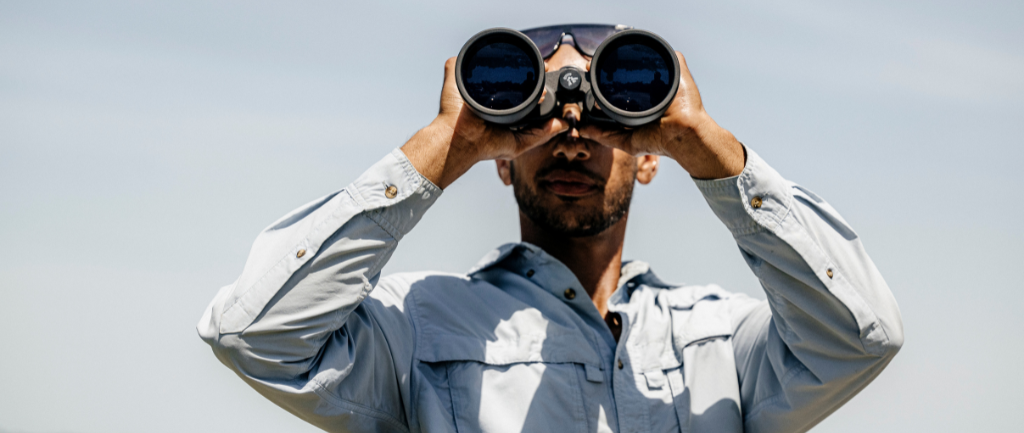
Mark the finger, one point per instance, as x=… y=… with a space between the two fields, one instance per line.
x=686 y=82
x=534 y=137
x=616 y=138
x=451 y=100
x=449 y=70
x=572 y=110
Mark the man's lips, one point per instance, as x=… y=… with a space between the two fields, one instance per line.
x=569 y=183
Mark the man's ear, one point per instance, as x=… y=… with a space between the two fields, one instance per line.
x=647 y=167
x=504 y=170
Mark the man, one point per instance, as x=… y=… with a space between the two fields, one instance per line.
x=556 y=333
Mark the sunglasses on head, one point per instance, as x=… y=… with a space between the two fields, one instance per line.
x=585 y=37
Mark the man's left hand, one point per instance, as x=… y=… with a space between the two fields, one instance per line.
x=685 y=133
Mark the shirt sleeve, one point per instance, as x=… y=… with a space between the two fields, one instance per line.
x=830 y=324
x=299 y=326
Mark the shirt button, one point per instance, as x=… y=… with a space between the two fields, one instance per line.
x=755 y=202
x=570 y=294
x=620 y=364
x=391 y=192
x=301 y=253
x=829 y=273
x=529 y=273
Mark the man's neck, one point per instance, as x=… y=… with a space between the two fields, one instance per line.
x=595 y=260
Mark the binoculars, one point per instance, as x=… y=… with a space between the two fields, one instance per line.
x=633 y=77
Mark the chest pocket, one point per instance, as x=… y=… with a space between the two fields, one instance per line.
x=706 y=387
x=499 y=365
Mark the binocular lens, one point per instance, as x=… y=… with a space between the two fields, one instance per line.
x=500 y=72
x=635 y=74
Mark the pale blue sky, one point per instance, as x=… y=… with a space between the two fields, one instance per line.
x=143 y=147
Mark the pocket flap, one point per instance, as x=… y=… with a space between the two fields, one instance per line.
x=698 y=314
x=472 y=320
x=535 y=348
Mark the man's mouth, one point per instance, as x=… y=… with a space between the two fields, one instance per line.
x=568 y=183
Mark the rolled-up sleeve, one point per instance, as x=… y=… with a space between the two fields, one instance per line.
x=830 y=324
x=294 y=325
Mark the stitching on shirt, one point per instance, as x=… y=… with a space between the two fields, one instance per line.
x=322 y=391
x=377 y=216
x=709 y=186
x=752 y=227
x=411 y=171
x=578 y=395
x=452 y=395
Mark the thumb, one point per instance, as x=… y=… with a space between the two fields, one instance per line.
x=451 y=100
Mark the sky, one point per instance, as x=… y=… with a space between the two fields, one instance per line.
x=143 y=146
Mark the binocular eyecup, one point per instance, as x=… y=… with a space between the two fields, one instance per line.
x=633 y=77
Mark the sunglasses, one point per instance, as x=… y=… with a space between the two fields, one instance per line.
x=585 y=37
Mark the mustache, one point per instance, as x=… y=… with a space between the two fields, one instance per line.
x=569 y=166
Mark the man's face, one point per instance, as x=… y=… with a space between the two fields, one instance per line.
x=571 y=185
x=581 y=196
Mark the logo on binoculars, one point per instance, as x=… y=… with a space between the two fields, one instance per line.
x=570 y=79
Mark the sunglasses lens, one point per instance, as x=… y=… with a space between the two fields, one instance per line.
x=635 y=73
x=545 y=38
x=588 y=38
x=500 y=72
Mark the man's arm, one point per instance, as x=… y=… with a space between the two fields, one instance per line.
x=301 y=326
x=830 y=325
x=298 y=326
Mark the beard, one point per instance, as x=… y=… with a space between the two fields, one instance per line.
x=568 y=218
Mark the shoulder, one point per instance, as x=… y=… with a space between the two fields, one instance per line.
x=691 y=296
x=400 y=285
x=712 y=309
x=397 y=296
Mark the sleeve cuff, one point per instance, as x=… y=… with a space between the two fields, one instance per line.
x=394 y=194
x=757 y=199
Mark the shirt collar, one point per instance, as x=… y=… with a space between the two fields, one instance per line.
x=633 y=274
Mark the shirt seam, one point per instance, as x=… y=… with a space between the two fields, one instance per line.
x=322 y=391
x=831 y=286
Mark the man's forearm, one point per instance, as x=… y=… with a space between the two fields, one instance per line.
x=432 y=153
x=345 y=238
x=833 y=324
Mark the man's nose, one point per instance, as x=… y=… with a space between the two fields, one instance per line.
x=571 y=149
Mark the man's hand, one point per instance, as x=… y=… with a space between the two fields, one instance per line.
x=685 y=133
x=457 y=138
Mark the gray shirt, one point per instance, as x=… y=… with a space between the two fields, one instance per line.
x=516 y=344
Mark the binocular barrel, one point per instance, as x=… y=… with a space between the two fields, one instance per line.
x=633 y=77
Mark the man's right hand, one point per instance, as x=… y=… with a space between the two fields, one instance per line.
x=447 y=148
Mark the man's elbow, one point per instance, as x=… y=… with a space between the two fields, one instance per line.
x=891 y=325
